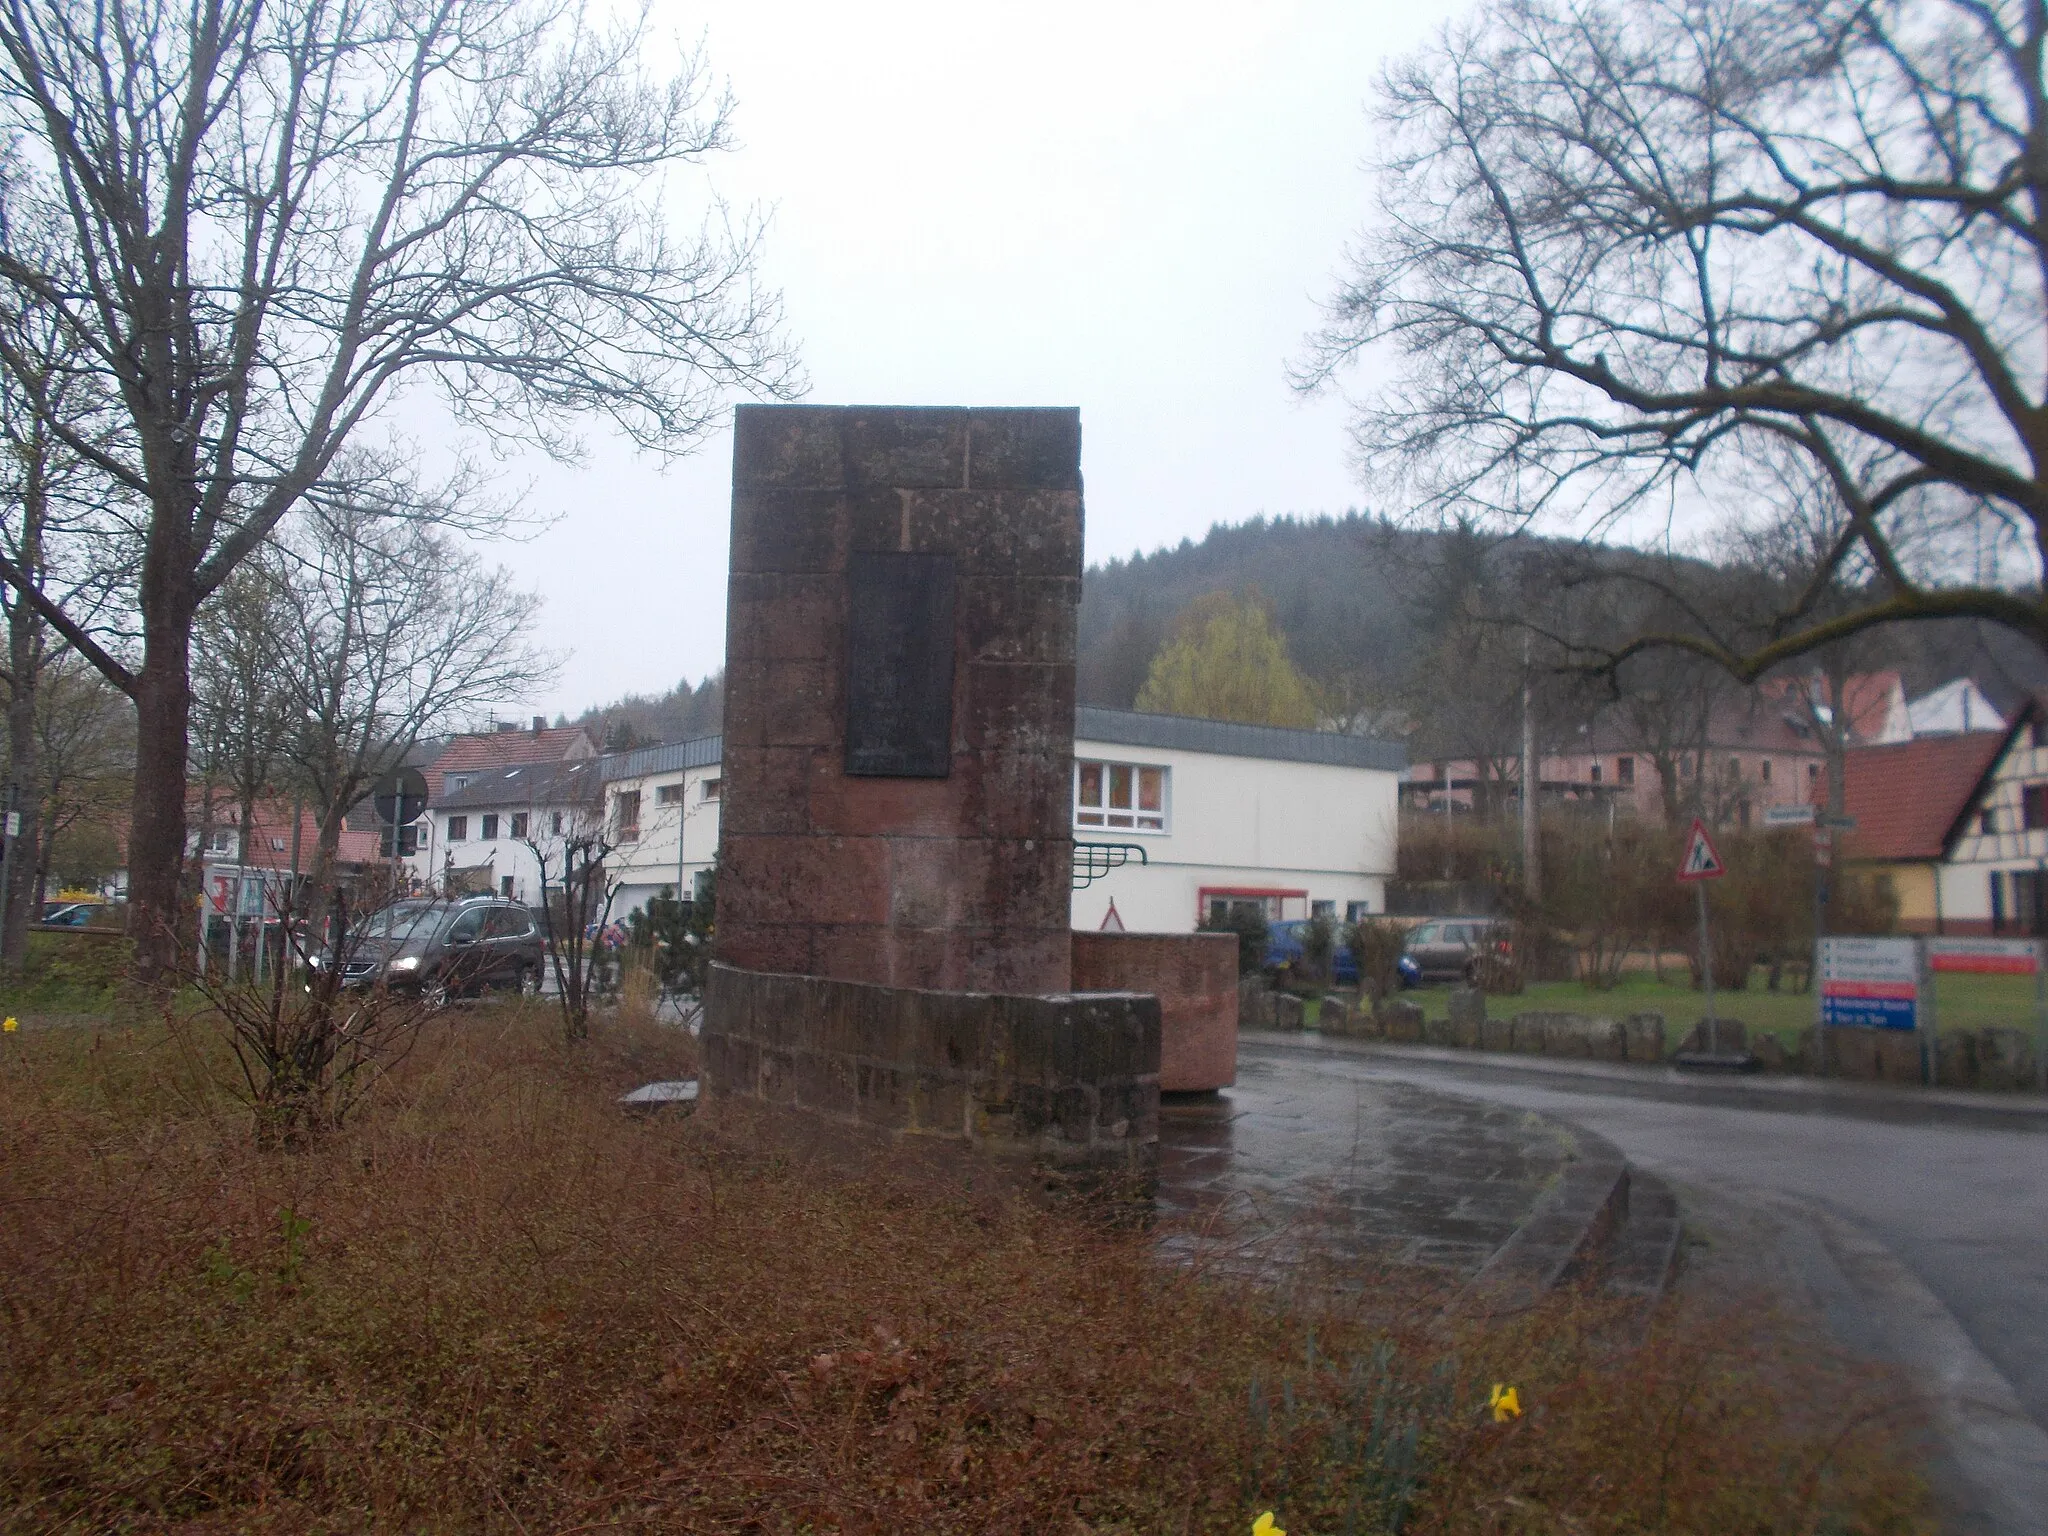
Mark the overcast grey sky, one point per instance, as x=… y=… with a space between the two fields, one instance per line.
x=1131 y=208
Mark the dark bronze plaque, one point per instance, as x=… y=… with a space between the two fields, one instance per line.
x=899 y=666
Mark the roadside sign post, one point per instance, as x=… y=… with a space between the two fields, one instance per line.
x=1874 y=984
x=1995 y=957
x=1702 y=862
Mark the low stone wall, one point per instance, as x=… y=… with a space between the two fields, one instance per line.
x=1068 y=1081
x=1982 y=1058
x=1194 y=976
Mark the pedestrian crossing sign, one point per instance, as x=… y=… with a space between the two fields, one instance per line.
x=1701 y=861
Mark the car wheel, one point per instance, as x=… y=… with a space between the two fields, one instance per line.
x=436 y=995
x=528 y=982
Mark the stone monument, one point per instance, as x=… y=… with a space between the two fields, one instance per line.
x=892 y=936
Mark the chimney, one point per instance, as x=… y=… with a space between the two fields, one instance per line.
x=540 y=723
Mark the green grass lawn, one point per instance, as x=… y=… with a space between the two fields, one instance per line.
x=1961 y=1002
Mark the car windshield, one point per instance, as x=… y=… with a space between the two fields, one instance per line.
x=395 y=922
x=1426 y=934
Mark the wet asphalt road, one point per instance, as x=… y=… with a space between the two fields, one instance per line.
x=1957 y=1193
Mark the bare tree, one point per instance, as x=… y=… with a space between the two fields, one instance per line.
x=275 y=215
x=1624 y=246
x=576 y=894
x=386 y=630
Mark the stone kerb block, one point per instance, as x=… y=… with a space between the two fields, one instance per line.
x=1731 y=1034
x=1333 y=1014
x=1468 y=1007
x=1643 y=1034
x=2005 y=1059
x=1496 y=1034
x=1955 y=1064
x=1401 y=1021
x=1288 y=1011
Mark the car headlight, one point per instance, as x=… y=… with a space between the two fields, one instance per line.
x=406 y=963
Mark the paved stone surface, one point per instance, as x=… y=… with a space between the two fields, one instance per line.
x=1926 y=1242
x=1294 y=1163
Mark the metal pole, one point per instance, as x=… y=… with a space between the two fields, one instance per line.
x=7 y=836
x=2041 y=1015
x=1930 y=1019
x=1699 y=888
x=1532 y=787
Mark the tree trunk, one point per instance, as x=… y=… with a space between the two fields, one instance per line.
x=24 y=773
x=156 y=839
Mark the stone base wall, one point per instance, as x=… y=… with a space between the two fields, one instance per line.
x=1067 y=1081
x=1194 y=976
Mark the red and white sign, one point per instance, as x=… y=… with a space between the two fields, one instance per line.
x=1701 y=861
x=1984 y=957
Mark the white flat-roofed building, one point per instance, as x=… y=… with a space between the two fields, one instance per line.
x=1290 y=822
x=661 y=805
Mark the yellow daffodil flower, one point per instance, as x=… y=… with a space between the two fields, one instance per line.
x=10 y=1024
x=1505 y=1402
x=1264 y=1526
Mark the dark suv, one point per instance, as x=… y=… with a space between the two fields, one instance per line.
x=444 y=949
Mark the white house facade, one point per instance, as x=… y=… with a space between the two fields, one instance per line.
x=479 y=834
x=1178 y=819
x=661 y=809
x=1993 y=877
x=1293 y=823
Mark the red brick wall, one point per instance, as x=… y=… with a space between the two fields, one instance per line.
x=1194 y=976
x=958 y=883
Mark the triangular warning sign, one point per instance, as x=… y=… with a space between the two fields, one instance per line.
x=1701 y=861
x=1112 y=920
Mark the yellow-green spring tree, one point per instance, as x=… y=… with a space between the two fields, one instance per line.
x=1225 y=661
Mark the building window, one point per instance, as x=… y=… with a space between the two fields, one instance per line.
x=668 y=794
x=1987 y=823
x=505 y=886
x=1322 y=909
x=1735 y=768
x=555 y=823
x=458 y=828
x=626 y=814
x=1596 y=771
x=1128 y=795
x=490 y=825
x=1625 y=769
x=1685 y=767
x=713 y=789
x=1812 y=773
x=1354 y=910
x=2034 y=807
x=519 y=823
x=1763 y=770
x=457 y=781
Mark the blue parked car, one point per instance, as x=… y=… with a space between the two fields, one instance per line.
x=1283 y=948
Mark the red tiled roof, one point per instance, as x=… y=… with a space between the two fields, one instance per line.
x=1906 y=797
x=507 y=749
x=269 y=843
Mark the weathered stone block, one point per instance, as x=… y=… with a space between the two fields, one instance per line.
x=1468 y=1006
x=1496 y=1034
x=1728 y=1035
x=1769 y=1051
x=1531 y=1033
x=1288 y=1011
x=2005 y=1059
x=1852 y=1053
x=1466 y=1033
x=1333 y=1014
x=1194 y=976
x=1439 y=1032
x=1899 y=1055
x=1401 y=1021
x=1566 y=1034
x=1955 y=1064
x=1254 y=1003
x=1644 y=1036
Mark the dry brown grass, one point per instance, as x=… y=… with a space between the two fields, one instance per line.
x=493 y=1302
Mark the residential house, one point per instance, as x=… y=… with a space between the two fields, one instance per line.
x=661 y=817
x=466 y=756
x=1954 y=708
x=1957 y=824
x=482 y=832
x=1179 y=819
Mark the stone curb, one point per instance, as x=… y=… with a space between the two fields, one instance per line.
x=1571 y=1223
x=2018 y=1111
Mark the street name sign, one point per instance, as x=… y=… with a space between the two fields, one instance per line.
x=1789 y=816
x=1870 y=983
x=1984 y=957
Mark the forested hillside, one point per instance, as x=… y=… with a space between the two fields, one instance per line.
x=1377 y=616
